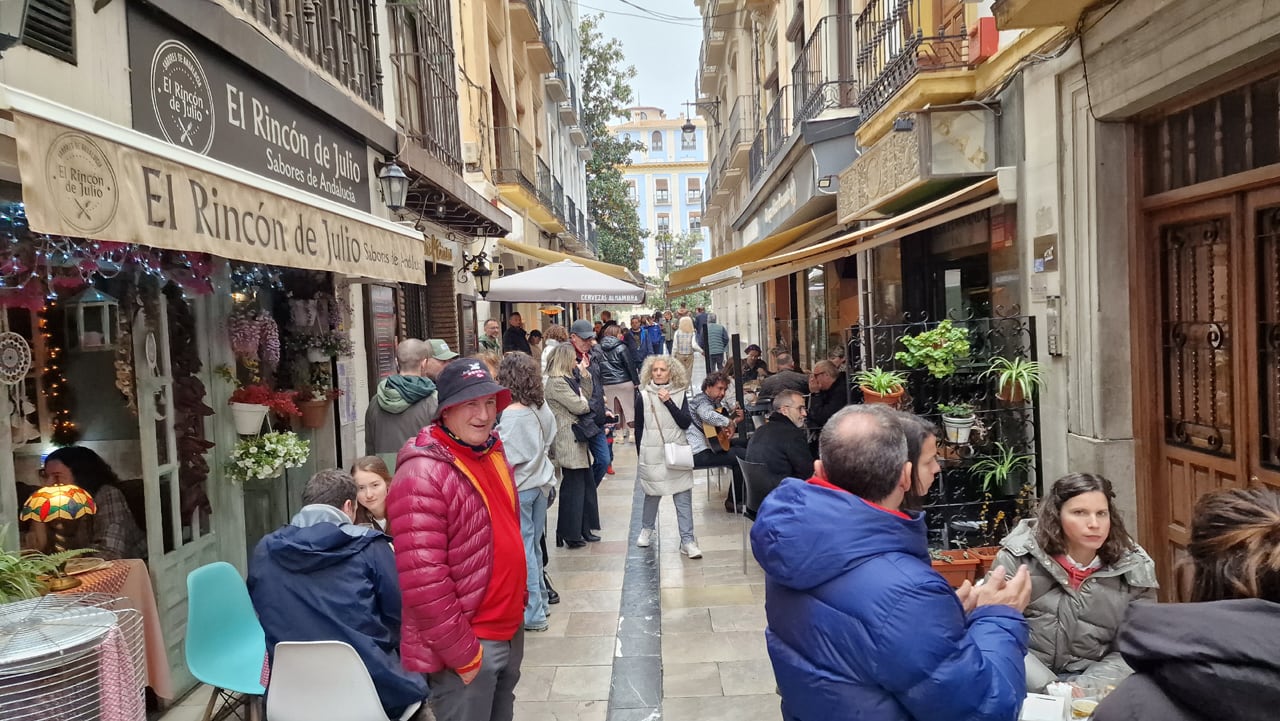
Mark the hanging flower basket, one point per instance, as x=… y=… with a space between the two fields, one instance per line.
x=248 y=417
x=266 y=456
x=316 y=355
x=314 y=413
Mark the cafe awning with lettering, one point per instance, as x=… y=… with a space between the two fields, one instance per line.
x=87 y=177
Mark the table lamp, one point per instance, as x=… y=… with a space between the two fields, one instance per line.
x=59 y=507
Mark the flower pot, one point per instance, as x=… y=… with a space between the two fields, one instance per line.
x=958 y=429
x=888 y=399
x=1011 y=393
x=248 y=417
x=314 y=413
x=986 y=558
x=315 y=355
x=957 y=569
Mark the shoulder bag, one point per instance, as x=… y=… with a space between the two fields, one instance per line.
x=676 y=455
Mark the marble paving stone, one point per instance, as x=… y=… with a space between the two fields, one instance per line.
x=592 y=623
x=535 y=682
x=637 y=683
x=721 y=708
x=561 y=710
x=572 y=562
x=686 y=620
x=757 y=592
x=579 y=651
x=707 y=647
x=706 y=596
x=738 y=618
x=579 y=601
x=744 y=678
x=679 y=575
x=581 y=683
x=617 y=548
x=588 y=580
x=731 y=576
x=690 y=679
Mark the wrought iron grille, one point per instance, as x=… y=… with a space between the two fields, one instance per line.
x=517 y=163
x=757 y=156
x=423 y=58
x=893 y=49
x=1268 y=250
x=339 y=36
x=958 y=509
x=1197 y=332
x=546 y=189
x=824 y=75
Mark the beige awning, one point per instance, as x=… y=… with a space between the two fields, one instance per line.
x=549 y=256
x=695 y=277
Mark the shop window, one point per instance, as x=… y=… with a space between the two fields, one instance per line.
x=51 y=28
x=655 y=141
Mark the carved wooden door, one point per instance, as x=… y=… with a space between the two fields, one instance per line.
x=1262 y=267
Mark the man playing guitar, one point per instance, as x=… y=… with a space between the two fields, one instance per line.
x=715 y=417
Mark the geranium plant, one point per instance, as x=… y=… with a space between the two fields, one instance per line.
x=259 y=394
x=262 y=457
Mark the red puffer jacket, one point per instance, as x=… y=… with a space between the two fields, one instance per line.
x=444 y=555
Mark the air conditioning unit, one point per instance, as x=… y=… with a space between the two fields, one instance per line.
x=471 y=152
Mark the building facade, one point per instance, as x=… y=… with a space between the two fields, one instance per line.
x=666 y=179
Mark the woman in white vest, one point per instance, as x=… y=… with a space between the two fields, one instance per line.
x=661 y=416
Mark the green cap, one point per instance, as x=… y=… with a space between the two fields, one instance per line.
x=440 y=349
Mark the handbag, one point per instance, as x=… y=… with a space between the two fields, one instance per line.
x=585 y=428
x=675 y=455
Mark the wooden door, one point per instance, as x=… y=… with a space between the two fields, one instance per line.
x=1262 y=266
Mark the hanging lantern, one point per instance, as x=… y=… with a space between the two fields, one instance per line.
x=93 y=321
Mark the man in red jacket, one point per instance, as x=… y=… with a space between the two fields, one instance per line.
x=459 y=552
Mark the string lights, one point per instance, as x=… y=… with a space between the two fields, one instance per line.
x=57 y=392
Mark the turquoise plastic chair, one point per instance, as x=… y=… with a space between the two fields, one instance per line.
x=226 y=646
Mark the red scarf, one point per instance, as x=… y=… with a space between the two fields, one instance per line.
x=1075 y=574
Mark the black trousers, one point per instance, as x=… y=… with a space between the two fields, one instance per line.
x=578 y=504
x=726 y=459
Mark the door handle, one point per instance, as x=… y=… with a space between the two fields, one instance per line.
x=1253 y=480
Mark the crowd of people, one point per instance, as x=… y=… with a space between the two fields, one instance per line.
x=429 y=555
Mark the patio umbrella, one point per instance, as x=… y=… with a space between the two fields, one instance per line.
x=563 y=282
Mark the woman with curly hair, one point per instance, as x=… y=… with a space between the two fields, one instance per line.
x=115 y=532
x=1085 y=571
x=662 y=408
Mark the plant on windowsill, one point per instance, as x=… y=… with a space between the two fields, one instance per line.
x=998 y=470
x=936 y=349
x=266 y=456
x=1017 y=379
x=958 y=421
x=881 y=386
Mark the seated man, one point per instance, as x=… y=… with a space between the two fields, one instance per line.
x=714 y=422
x=787 y=377
x=321 y=578
x=781 y=444
x=828 y=393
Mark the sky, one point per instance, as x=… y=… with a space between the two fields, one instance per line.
x=665 y=53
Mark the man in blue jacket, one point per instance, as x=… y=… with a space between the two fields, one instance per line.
x=860 y=625
x=320 y=578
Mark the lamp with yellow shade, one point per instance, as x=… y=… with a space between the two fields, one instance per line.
x=60 y=509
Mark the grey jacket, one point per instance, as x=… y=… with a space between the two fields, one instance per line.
x=567 y=404
x=387 y=432
x=1074 y=630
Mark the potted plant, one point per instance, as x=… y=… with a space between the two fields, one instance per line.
x=997 y=471
x=958 y=420
x=881 y=386
x=957 y=566
x=266 y=456
x=1016 y=378
x=28 y=574
x=315 y=397
x=936 y=350
x=320 y=347
x=250 y=402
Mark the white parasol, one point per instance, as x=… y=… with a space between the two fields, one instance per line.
x=564 y=282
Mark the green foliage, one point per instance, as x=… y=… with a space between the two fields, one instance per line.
x=677 y=250
x=956 y=410
x=606 y=93
x=881 y=381
x=20 y=572
x=996 y=470
x=937 y=349
x=1015 y=373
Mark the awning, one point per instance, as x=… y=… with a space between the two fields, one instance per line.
x=975 y=198
x=564 y=282
x=549 y=256
x=691 y=278
x=87 y=177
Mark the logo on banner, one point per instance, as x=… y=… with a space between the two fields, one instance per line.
x=181 y=96
x=81 y=182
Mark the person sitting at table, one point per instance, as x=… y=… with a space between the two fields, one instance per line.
x=1085 y=571
x=753 y=366
x=115 y=532
x=828 y=393
x=322 y=578
x=786 y=377
x=373 y=481
x=781 y=444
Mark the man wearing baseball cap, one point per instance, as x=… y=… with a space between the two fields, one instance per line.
x=406 y=402
x=459 y=552
x=440 y=355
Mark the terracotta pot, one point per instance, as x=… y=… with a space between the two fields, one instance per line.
x=888 y=399
x=959 y=569
x=1011 y=393
x=248 y=417
x=986 y=558
x=314 y=413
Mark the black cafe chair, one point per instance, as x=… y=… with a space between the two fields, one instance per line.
x=758 y=484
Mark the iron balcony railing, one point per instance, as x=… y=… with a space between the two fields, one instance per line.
x=693 y=195
x=739 y=127
x=544 y=26
x=545 y=191
x=593 y=241
x=757 y=156
x=778 y=127
x=558 y=197
x=825 y=74
x=423 y=60
x=339 y=36
x=893 y=49
x=517 y=164
x=571 y=219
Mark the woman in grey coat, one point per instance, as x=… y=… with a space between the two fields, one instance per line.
x=1085 y=571
x=565 y=396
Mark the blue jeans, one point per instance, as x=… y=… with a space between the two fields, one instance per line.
x=601 y=457
x=533 y=520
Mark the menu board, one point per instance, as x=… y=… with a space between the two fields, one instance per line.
x=382 y=330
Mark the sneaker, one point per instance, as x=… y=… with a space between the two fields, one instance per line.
x=646 y=538
x=610 y=471
x=691 y=549
x=537 y=628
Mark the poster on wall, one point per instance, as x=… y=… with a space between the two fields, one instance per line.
x=347 y=401
x=382 y=331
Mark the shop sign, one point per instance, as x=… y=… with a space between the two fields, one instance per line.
x=81 y=184
x=196 y=97
x=440 y=251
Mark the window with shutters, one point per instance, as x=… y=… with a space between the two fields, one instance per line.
x=51 y=28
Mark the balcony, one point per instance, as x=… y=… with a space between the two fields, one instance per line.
x=556 y=84
x=558 y=201
x=708 y=71
x=585 y=153
x=541 y=57
x=739 y=129
x=578 y=136
x=569 y=109
x=714 y=40
x=340 y=37
x=778 y=127
x=524 y=19
x=523 y=179
x=824 y=75
x=893 y=54
x=693 y=196
x=1019 y=14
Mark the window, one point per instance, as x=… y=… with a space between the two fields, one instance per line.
x=655 y=141
x=631 y=191
x=694 y=186
x=689 y=141
x=51 y=28
x=662 y=194
x=695 y=222
x=664 y=223
x=427 y=102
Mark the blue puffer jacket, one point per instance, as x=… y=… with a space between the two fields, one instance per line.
x=320 y=578
x=861 y=627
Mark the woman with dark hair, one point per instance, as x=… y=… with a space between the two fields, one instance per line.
x=1216 y=657
x=1085 y=571
x=527 y=429
x=922 y=449
x=373 y=482
x=115 y=532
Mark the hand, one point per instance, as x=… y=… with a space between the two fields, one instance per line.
x=737 y=415
x=469 y=676
x=1002 y=591
x=663 y=395
x=551 y=497
x=584 y=362
x=967 y=597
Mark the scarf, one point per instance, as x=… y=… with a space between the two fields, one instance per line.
x=1076 y=573
x=396 y=394
x=456 y=444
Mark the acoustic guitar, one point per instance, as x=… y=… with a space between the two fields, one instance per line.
x=724 y=436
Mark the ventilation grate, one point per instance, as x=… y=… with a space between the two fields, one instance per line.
x=50 y=28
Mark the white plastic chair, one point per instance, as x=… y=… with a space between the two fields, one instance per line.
x=323 y=680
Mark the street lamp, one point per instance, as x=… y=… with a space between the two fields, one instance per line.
x=13 y=22
x=394 y=185
x=712 y=108
x=477 y=266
